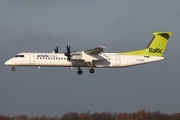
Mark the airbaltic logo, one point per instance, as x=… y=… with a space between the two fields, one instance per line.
x=155 y=50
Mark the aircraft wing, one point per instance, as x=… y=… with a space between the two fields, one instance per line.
x=95 y=51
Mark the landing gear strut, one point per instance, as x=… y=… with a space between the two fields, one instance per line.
x=79 y=72
x=13 y=68
x=91 y=70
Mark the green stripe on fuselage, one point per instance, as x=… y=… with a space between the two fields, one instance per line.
x=136 y=52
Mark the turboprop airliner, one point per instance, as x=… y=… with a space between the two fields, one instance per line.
x=94 y=58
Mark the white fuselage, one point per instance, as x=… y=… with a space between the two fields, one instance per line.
x=106 y=60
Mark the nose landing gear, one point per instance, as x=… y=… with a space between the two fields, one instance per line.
x=13 y=68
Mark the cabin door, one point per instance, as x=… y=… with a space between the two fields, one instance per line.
x=31 y=59
x=118 y=60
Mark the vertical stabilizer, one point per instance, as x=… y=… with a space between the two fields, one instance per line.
x=158 y=44
x=156 y=47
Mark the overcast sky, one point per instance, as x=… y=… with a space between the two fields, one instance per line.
x=120 y=25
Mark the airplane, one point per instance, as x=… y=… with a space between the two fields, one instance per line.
x=94 y=58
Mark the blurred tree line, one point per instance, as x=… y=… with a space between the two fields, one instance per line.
x=139 y=115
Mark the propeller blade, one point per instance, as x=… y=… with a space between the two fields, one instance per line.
x=68 y=53
x=56 y=50
x=68 y=49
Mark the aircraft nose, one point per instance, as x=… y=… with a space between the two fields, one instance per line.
x=8 y=62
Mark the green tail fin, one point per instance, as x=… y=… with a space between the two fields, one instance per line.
x=158 y=44
x=156 y=47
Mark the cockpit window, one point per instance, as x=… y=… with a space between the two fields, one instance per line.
x=19 y=56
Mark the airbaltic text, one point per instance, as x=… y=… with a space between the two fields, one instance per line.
x=155 y=50
x=46 y=56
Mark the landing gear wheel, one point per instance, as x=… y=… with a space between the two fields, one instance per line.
x=13 y=69
x=79 y=72
x=91 y=70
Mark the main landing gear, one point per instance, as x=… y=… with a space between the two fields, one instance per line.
x=91 y=70
x=79 y=72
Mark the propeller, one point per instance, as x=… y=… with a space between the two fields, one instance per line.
x=56 y=50
x=68 y=53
